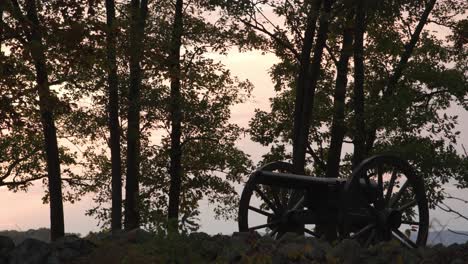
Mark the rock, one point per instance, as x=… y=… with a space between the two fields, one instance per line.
x=221 y=239
x=266 y=244
x=210 y=250
x=316 y=250
x=6 y=246
x=208 y=247
x=248 y=237
x=199 y=236
x=291 y=252
x=290 y=237
x=393 y=252
x=458 y=261
x=137 y=235
x=30 y=251
x=70 y=247
x=347 y=251
x=237 y=246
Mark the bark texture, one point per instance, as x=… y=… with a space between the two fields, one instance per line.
x=359 y=123
x=299 y=134
x=175 y=169
x=338 y=127
x=113 y=112
x=139 y=12
x=46 y=106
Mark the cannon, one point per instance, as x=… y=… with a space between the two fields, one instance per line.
x=382 y=199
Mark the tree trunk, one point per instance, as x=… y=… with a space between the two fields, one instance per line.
x=175 y=169
x=138 y=19
x=302 y=121
x=399 y=68
x=299 y=141
x=359 y=123
x=46 y=106
x=338 y=127
x=398 y=72
x=1 y=27
x=113 y=111
x=303 y=116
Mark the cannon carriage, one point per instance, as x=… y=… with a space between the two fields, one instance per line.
x=383 y=199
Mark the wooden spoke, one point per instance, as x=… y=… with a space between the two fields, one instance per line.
x=390 y=187
x=386 y=189
x=398 y=195
x=271 y=224
x=299 y=203
x=310 y=232
x=284 y=197
x=402 y=237
x=362 y=231
x=407 y=222
x=380 y=179
x=295 y=200
x=273 y=232
x=266 y=200
x=276 y=199
x=260 y=211
x=369 y=207
x=370 y=238
x=407 y=205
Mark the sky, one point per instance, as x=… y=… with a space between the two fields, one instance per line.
x=23 y=211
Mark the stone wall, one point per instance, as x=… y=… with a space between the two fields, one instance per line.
x=138 y=246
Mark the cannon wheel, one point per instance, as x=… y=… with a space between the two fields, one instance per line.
x=398 y=208
x=264 y=208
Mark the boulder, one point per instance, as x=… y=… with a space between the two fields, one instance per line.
x=6 y=243
x=30 y=251
x=347 y=251
x=137 y=235
x=70 y=247
x=199 y=236
x=6 y=246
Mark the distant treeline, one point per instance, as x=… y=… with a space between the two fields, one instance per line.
x=42 y=234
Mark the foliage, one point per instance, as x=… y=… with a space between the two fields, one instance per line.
x=412 y=122
x=211 y=160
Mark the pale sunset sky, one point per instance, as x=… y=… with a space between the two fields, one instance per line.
x=23 y=211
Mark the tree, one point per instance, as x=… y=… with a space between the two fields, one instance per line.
x=114 y=126
x=359 y=78
x=410 y=123
x=61 y=53
x=338 y=126
x=303 y=92
x=301 y=126
x=175 y=169
x=34 y=35
x=210 y=162
x=139 y=11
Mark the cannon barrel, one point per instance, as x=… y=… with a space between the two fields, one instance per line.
x=292 y=180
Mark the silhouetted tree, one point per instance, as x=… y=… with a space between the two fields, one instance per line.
x=138 y=13
x=175 y=115
x=33 y=31
x=113 y=109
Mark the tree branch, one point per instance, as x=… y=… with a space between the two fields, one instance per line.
x=22 y=182
x=197 y=138
x=409 y=47
x=332 y=55
x=262 y=29
x=458 y=233
x=316 y=158
x=15 y=163
x=448 y=209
